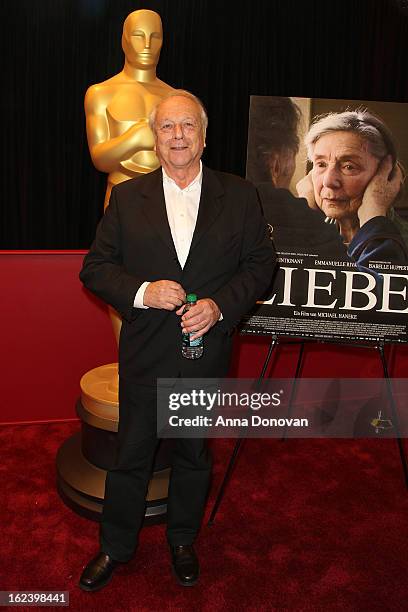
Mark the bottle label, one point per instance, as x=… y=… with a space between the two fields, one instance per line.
x=196 y=345
x=193 y=343
x=196 y=342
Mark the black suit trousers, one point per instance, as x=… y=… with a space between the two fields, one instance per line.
x=126 y=484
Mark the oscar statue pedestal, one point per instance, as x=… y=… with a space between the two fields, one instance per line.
x=83 y=459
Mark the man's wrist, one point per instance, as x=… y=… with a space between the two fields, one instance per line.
x=220 y=317
x=138 y=301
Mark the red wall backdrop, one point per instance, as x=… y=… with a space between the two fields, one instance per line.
x=53 y=331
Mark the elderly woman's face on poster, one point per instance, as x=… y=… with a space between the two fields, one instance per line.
x=342 y=168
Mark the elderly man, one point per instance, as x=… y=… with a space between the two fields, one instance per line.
x=183 y=228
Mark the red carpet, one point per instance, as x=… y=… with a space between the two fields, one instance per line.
x=305 y=525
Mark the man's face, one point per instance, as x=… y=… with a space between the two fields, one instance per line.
x=342 y=169
x=179 y=134
x=142 y=38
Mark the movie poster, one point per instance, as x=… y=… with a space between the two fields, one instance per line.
x=330 y=177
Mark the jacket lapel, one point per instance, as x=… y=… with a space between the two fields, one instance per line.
x=154 y=207
x=210 y=206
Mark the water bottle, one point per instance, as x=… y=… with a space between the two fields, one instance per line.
x=191 y=349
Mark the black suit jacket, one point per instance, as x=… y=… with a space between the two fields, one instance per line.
x=231 y=260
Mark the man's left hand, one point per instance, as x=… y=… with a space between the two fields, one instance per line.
x=200 y=317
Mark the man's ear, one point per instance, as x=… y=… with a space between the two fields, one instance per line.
x=274 y=167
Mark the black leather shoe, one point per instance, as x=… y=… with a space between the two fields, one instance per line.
x=98 y=572
x=185 y=564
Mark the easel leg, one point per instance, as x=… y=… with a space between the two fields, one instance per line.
x=239 y=441
x=294 y=386
x=394 y=413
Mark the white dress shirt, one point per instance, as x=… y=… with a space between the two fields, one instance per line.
x=182 y=210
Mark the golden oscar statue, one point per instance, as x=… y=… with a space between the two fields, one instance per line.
x=121 y=143
x=117 y=110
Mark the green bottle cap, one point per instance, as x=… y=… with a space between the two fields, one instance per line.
x=191 y=297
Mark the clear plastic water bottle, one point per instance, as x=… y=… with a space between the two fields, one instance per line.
x=191 y=349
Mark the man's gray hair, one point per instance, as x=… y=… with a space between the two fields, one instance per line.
x=360 y=121
x=185 y=94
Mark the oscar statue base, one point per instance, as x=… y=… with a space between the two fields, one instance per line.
x=83 y=459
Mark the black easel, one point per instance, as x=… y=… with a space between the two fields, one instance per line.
x=380 y=349
x=273 y=344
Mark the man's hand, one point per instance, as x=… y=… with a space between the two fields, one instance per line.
x=200 y=317
x=305 y=189
x=164 y=294
x=380 y=192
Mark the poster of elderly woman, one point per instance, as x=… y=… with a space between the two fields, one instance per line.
x=330 y=177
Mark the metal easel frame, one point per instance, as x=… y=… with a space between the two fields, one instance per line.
x=275 y=342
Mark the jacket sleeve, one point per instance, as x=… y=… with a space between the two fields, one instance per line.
x=378 y=239
x=256 y=267
x=103 y=272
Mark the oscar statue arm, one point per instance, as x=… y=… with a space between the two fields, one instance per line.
x=107 y=153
